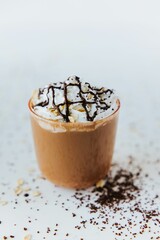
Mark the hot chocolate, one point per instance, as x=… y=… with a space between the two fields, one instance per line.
x=74 y=127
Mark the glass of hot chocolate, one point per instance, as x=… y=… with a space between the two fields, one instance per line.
x=74 y=128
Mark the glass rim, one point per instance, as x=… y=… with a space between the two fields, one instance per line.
x=87 y=123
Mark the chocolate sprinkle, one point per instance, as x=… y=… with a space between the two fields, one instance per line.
x=117 y=189
x=107 y=202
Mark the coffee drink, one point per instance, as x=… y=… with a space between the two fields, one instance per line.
x=74 y=127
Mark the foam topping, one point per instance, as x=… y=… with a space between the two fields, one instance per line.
x=74 y=101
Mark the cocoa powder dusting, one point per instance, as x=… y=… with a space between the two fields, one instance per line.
x=106 y=203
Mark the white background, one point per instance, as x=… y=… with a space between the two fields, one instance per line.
x=112 y=41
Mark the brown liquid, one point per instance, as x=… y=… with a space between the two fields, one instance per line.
x=78 y=157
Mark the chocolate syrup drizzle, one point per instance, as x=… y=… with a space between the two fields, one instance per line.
x=83 y=101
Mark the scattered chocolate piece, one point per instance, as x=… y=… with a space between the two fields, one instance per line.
x=108 y=199
x=26 y=195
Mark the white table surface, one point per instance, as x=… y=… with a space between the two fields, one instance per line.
x=125 y=55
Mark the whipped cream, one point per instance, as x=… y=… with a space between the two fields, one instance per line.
x=74 y=101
